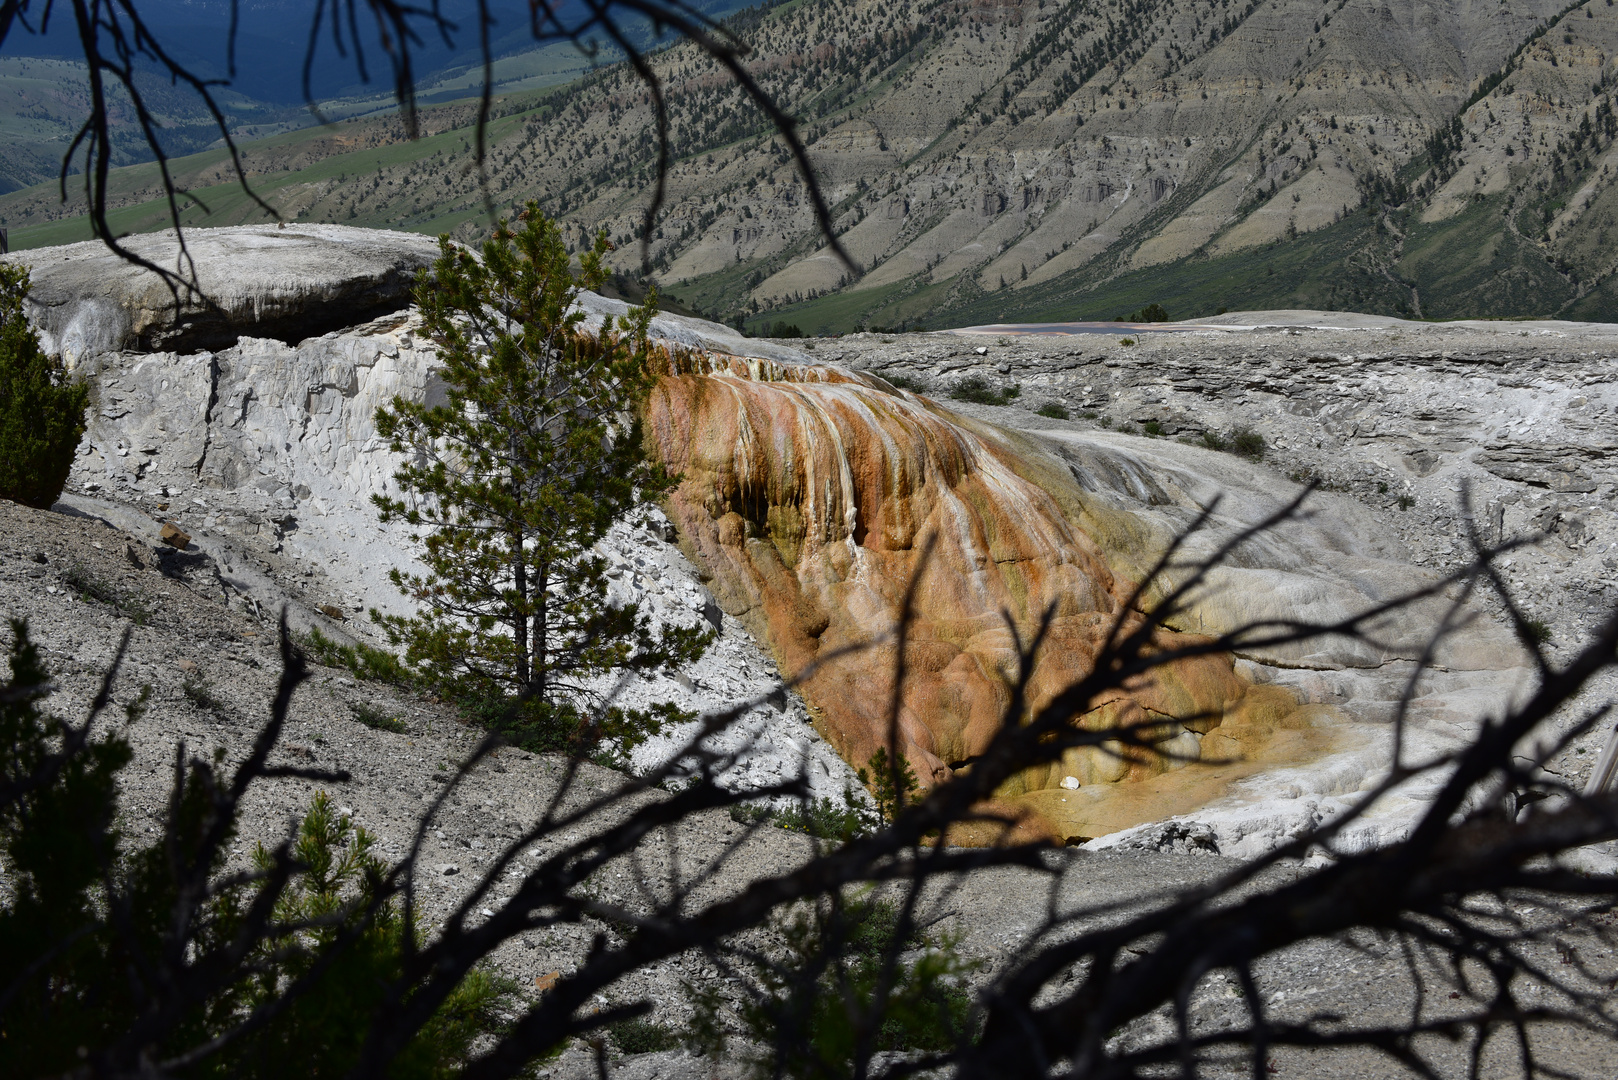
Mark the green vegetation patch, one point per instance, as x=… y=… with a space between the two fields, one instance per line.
x=1473 y=263
x=896 y=307
x=1337 y=268
x=978 y=391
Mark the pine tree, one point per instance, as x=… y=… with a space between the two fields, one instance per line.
x=515 y=480
x=41 y=416
x=103 y=931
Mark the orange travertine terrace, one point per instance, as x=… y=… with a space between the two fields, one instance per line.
x=807 y=495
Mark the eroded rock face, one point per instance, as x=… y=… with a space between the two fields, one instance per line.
x=288 y=284
x=810 y=494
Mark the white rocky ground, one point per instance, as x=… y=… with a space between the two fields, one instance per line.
x=265 y=452
x=212 y=667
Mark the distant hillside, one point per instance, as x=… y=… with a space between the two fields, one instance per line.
x=1008 y=160
x=44 y=91
x=43 y=103
x=272 y=37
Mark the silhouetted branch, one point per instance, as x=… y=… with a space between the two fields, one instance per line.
x=1446 y=898
x=116 y=42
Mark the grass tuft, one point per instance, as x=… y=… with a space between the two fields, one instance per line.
x=1247 y=443
x=642 y=1036
x=94 y=589
x=364 y=661
x=377 y=719
x=979 y=392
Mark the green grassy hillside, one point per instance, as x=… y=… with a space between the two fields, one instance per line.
x=1338 y=268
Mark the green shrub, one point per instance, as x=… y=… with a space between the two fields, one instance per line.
x=817 y=1001
x=41 y=415
x=754 y=814
x=92 y=914
x=1054 y=410
x=1406 y=502
x=893 y=786
x=1151 y=313
x=377 y=719
x=826 y=819
x=1539 y=631
x=1247 y=443
x=199 y=692
x=364 y=661
x=845 y=819
x=91 y=588
x=907 y=382
x=1152 y=428
x=1126 y=341
x=976 y=390
x=564 y=727
x=784 y=330
x=327 y=1025
x=642 y=1036
x=1241 y=441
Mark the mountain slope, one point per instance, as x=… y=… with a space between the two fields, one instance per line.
x=1000 y=160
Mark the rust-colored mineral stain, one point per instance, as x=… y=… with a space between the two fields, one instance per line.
x=807 y=494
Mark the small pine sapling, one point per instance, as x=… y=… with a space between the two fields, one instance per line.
x=41 y=414
x=892 y=784
x=514 y=480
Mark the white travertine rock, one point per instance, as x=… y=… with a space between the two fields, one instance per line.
x=1420 y=434
x=266 y=281
x=1321 y=567
x=692 y=333
x=266 y=452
